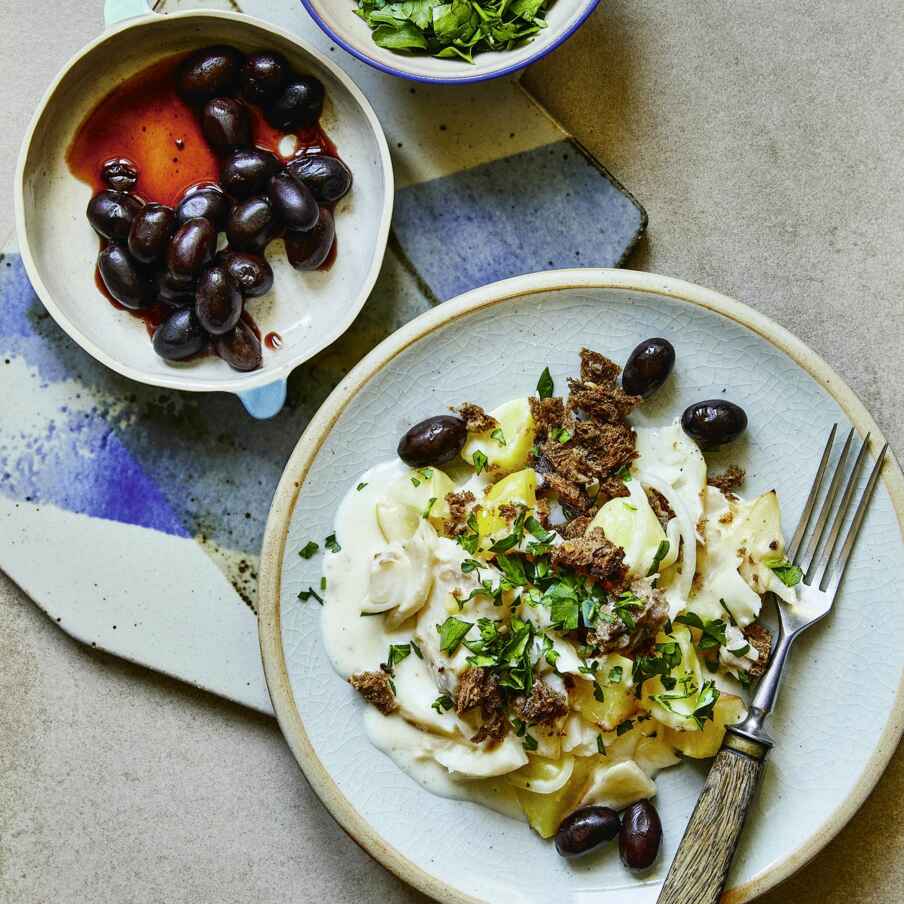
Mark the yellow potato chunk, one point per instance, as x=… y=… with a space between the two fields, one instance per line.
x=706 y=743
x=419 y=486
x=519 y=488
x=508 y=451
x=631 y=524
x=546 y=811
x=618 y=703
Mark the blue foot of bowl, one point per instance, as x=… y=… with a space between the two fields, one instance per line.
x=265 y=401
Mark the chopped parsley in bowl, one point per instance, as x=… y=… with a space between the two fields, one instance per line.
x=456 y=29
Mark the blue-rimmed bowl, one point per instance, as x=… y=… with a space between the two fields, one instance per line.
x=338 y=19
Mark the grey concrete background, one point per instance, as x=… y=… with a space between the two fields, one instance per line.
x=765 y=139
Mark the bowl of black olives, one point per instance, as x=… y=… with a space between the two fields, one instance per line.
x=203 y=203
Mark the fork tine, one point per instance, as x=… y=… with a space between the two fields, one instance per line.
x=854 y=529
x=805 y=516
x=807 y=557
x=818 y=570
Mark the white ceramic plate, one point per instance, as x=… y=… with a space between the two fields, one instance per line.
x=840 y=715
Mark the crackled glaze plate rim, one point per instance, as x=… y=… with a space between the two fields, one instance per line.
x=269 y=624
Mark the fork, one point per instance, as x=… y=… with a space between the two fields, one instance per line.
x=698 y=872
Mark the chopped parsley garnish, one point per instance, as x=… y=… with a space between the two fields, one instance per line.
x=430 y=503
x=331 y=544
x=308 y=549
x=470 y=565
x=661 y=552
x=361 y=486
x=451 y=633
x=615 y=674
x=545 y=385
x=550 y=654
x=305 y=595
x=530 y=742
x=498 y=435
x=623 y=604
x=713 y=631
x=426 y=473
x=624 y=473
x=323 y=583
x=397 y=653
x=600 y=746
x=470 y=540
x=561 y=435
x=442 y=704
x=624 y=727
x=414 y=481
x=741 y=651
x=480 y=461
x=598 y=694
x=790 y=575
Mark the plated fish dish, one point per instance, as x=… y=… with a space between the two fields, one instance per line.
x=543 y=606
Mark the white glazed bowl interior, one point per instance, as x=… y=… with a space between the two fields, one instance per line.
x=59 y=248
x=338 y=19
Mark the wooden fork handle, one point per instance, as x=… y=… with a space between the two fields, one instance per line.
x=700 y=867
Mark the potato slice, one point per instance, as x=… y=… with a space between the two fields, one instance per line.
x=519 y=488
x=706 y=743
x=407 y=501
x=546 y=811
x=517 y=425
x=543 y=776
x=618 y=703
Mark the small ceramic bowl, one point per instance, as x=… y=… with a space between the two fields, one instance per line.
x=338 y=19
x=59 y=248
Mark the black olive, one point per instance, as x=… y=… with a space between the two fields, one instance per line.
x=191 y=247
x=648 y=367
x=299 y=104
x=434 y=441
x=119 y=173
x=226 y=124
x=263 y=76
x=585 y=830
x=308 y=250
x=150 y=232
x=207 y=202
x=111 y=213
x=180 y=336
x=251 y=272
x=209 y=72
x=252 y=224
x=247 y=172
x=640 y=835
x=240 y=349
x=714 y=422
x=123 y=278
x=293 y=202
x=327 y=177
x=219 y=301
x=176 y=291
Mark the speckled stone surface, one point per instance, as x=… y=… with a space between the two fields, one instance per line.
x=764 y=140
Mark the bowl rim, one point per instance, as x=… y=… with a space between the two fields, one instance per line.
x=237 y=382
x=448 y=80
x=285 y=497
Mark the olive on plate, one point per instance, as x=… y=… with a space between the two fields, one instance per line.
x=585 y=830
x=640 y=835
x=298 y=105
x=119 y=173
x=293 y=202
x=209 y=72
x=247 y=172
x=240 y=348
x=714 y=422
x=179 y=336
x=191 y=247
x=207 y=202
x=175 y=291
x=226 y=124
x=252 y=224
x=123 y=278
x=218 y=301
x=263 y=76
x=111 y=213
x=648 y=367
x=327 y=177
x=435 y=441
x=308 y=250
x=150 y=232
x=251 y=272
